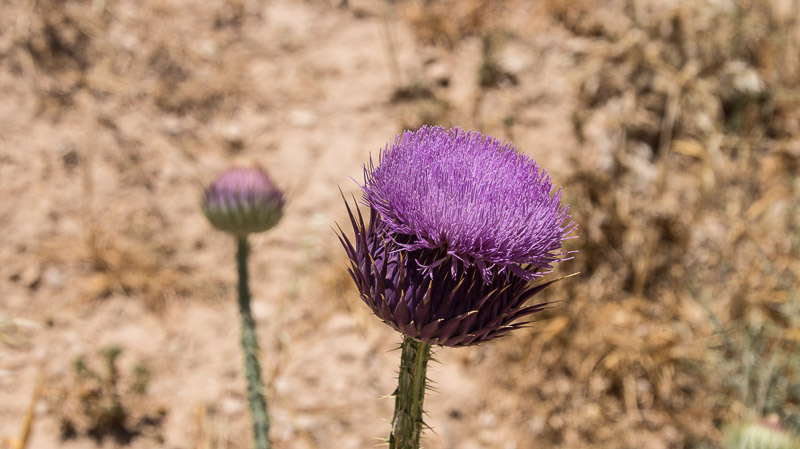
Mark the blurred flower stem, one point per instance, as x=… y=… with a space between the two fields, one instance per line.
x=243 y=201
x=255 y=386
x=407 y=420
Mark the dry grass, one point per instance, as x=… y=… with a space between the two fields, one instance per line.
x=104 y=403
x=69 y=49
x=688 y=204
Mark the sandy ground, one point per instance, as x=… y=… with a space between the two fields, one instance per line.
x=103 y=154
x=673 y=129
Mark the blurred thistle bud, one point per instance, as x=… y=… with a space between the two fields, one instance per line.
x=460 y=223
x=242 y=201
x=766 y=434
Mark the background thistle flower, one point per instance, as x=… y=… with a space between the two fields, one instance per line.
x=243 y=200
x=240 y=202
x=459 y=225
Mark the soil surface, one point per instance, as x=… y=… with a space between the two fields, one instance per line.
x=113 y=121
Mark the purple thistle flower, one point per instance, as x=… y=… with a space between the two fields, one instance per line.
x=471 y=196
x=243 y=200
x=459 y=224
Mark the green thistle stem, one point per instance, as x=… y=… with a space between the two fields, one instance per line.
x=407 y=421
x=255 y=386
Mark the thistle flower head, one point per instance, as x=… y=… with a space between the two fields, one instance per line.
x=243 y=200
x=472 y=197
x=459 y=224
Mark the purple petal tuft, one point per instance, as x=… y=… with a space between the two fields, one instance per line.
x=471 y=195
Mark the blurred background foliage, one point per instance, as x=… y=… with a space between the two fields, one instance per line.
x=683 y=175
